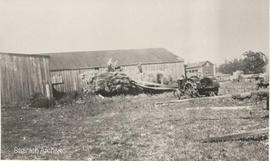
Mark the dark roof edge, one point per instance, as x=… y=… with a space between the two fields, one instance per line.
x=80 y=68
x=65 y=52
x=20 y=54
x=195 y=66
x=83 y=51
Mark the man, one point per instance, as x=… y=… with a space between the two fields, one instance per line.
x=181 y=83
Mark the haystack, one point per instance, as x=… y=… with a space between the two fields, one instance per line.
x=112 y=83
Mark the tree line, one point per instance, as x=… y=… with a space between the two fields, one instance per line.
x=252 y=63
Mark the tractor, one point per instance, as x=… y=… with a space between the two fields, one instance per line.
x=196 y=87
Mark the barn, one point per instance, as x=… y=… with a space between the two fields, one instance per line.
x=23 y=75
x=66 y=67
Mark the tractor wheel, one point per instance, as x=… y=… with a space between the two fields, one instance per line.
x=213 y=92
x=191 y=89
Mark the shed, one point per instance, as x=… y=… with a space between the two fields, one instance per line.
x=204 y=68
x=66 y=67
x=23 y=75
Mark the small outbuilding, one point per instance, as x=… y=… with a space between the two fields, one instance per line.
x=203 y=69
x=23 y=75
x=66 y=67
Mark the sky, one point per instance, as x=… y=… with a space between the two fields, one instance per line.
x=196 y=30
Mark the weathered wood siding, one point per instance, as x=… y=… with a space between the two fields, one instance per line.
x=71 y=80
x=208 y=69
x=22 y=76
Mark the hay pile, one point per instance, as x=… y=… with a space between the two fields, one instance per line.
x=112 y=83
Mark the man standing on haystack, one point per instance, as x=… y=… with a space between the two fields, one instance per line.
x=110 y=65
x=139 y=75
x=139 y=66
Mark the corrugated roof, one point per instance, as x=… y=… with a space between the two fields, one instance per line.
x=198 y=64
x=88 y=59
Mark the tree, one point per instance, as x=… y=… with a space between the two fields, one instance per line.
x=231 y=66
x=254 y=62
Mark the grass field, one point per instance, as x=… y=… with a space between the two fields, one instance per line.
x=134 y=128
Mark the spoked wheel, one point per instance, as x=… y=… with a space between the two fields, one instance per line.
x=191 y=89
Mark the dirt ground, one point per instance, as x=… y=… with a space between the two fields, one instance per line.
x=135 y=128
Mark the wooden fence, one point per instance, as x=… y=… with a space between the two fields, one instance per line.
x=23 y=75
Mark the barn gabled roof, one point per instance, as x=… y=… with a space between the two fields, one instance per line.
x=198 y=64
x=91 y=59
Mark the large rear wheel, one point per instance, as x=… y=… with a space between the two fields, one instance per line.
x=191 y=89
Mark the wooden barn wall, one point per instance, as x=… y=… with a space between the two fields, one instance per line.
x=208 y=70
x=71 y=79
x=174 y=69
x=22 y=76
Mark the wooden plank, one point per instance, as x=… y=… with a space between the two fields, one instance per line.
x=154 y=88
x=19 y=79
x=220 y=108
x=74 y=75
x=12 y=79
x=186 y=100
x=9 y=76
x=149 y=84
x=69 y=85
x=40 y=83
x=9 y=82
x=66 y=81
x=48 y=76
x=43 y=78
x=1 y=92
x=246 y=135
x=247 y=95
x=58 y=87
x=32 y=76
x=25 y=78
x=1 y=81
x=4 y=83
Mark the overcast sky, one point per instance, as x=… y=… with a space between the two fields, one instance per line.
x=195 y=30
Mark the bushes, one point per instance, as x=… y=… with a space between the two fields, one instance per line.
x=68 y=98
x=39 y=101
